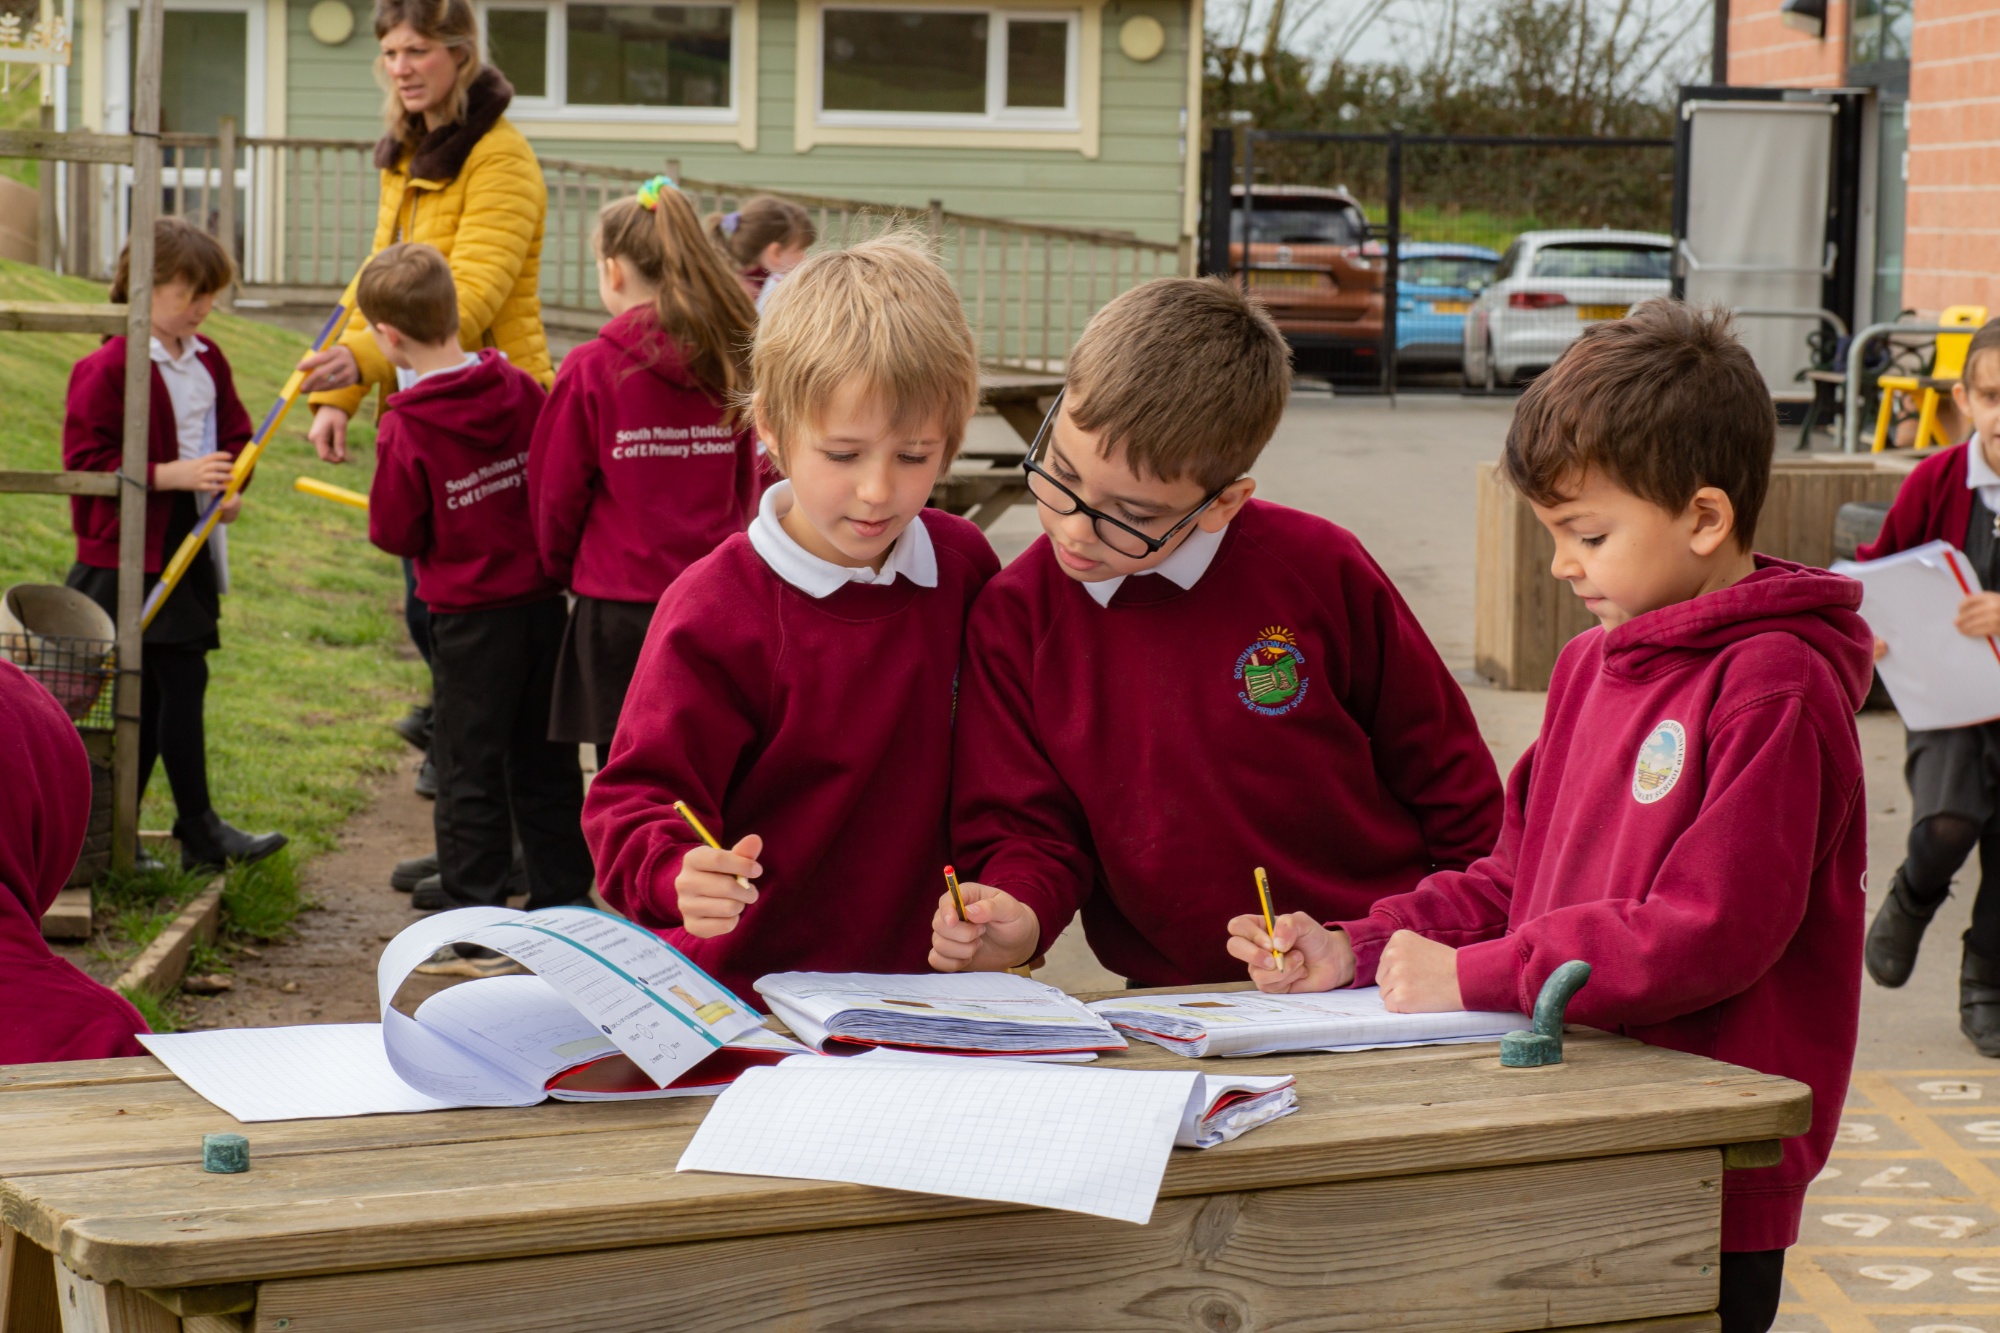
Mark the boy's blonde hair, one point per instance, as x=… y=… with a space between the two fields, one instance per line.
x=881 y=312
x=408 y=286
x=1188 y=374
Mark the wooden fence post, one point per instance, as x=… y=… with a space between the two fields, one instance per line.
x=225 y=213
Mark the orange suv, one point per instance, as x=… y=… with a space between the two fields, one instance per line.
x=1306 y=257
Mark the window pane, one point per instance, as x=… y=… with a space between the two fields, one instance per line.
x=895 y=60
x=1604 y=260
x=1037 y=64
x=648 y=55
x=517 y=40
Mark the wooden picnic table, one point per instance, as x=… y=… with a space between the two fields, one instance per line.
x=1428 y=1188
x=985 y=483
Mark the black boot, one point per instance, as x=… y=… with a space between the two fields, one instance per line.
x=210 y=844
x=408 y=874
x=415 y=726
x=1979 y=1002
x=427 y=780
x=1894 y=934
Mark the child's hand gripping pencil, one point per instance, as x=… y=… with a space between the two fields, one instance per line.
x=951 y=886
x=713 y=884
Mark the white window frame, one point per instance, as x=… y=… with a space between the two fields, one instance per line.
x=555 y=108
x=998 y=115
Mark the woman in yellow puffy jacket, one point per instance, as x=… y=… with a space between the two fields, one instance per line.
x=456 y=175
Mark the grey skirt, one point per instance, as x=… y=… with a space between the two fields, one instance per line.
x=600 y=650
x=1955 y=771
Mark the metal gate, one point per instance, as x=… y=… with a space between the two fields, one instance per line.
x=1405 y=261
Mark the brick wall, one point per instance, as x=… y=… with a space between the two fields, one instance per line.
x=1763 y=50
x=1952 y=243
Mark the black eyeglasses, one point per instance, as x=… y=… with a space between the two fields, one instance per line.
x=1121 y=537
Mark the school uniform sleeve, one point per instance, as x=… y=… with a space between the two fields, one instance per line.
x=399 y=499
x=1772 y=802
x=1015 y=822
x=1932 y=502
x=693 y=718
x=93 y=438
x=1455 y=907
x=563 y=471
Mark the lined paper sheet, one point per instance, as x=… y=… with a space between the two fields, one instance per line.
x=1937 y=676
x=1084 y=1140
x=1253 y=1023
x=296 y=1073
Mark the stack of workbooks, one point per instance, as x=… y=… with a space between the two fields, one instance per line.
x=958 y=1013
x=1248 y=1022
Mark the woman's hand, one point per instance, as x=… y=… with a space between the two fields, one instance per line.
x=210 y=472
x=329 y=434
x=1979 y=615
x=335 y=368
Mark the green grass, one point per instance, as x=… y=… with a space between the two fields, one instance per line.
x=161 y=1015
x=260 y=901
x=20 y=109
x=314 y=661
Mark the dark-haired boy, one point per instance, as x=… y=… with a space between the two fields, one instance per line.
x=1180 y=683
x=1690 y=820
x=450 y=492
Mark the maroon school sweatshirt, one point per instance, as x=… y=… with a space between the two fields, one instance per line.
x=635 y=472
x=824 y=725
x=1933 y=504
x=450 y=490
x=1690 y=824
x=1139 y=760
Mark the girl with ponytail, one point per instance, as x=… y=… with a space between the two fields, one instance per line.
x=764 y=240
x=641 y=463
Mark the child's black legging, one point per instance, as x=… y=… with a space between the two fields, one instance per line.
x=173 y=683
x=1938 y=847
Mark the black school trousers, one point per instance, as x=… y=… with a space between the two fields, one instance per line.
x=493 y=671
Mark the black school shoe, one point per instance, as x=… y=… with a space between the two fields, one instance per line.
x=210 y=844
x=427 y=780
x=1893 y=936
x=427 y=894
x=408 y=874
x=415 y=727
x=1979 y=1002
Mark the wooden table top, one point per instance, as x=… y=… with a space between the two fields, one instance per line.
x=100 y=1161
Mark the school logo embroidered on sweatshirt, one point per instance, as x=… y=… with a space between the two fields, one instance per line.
x=1661 y=759
x=1271 y=673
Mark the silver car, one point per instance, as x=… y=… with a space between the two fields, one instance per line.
x=1548 y=287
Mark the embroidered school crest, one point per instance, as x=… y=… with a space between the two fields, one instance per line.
x=1271 y=673
x=1661 y=759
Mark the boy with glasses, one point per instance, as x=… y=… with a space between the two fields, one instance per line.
x=1181 y=683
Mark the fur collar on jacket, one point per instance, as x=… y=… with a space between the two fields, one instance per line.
x=442 y=152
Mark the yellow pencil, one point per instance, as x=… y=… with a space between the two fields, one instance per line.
x=700 y=831
x=951 y=882
x=1270 y=927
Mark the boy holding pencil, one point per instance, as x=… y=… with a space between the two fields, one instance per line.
x=1181 y=682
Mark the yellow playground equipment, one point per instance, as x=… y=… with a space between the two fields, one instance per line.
x=1946 y=367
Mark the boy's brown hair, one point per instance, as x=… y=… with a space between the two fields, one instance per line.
x=1188 y=374
x=1663 y=402
x=180 y=250
x=408 y=286
x=881 y=313
x=1985 y=341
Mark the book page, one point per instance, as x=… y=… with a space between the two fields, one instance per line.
x=1937 y=676
x=973 y=1011
x=290 y=1073
x=1253 y=1023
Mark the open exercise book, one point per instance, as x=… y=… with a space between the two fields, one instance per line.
x=610 y=1011
x=958 y=1013
x=1249 y=1022
x=1086 y=1140
x=1937 y=676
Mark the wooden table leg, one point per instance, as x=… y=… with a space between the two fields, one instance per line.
x=27 y=1286
x=94 y=1307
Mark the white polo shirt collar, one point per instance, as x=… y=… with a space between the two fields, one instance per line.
x=912 y=557
x=1189 y=561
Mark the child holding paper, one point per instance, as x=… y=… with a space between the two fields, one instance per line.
x=797 y=687
x=1690 y=821
x=1954 y=774
x=1179 y=683
x=641 y=464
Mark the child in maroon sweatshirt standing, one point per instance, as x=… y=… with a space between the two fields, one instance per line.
x=1181 y=683
x=450 y=492
x=640 y=465
x=1689 y=821
x=796 y=688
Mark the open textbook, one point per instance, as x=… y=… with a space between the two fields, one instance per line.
x=1937 y=676
x=1249 y=1022
x=1087 y=1140
x=610 y=1011
x=960 y=1013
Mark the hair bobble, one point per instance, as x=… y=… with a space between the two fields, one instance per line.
x=649 y=193
x=730 y=222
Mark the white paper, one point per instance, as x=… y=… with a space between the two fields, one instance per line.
x=973 y=1012
x=1252 y=1023
x=294 y=1073
x=1937 y=676
x=1084 y=1140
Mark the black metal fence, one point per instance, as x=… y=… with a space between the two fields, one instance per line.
x=1426 y=260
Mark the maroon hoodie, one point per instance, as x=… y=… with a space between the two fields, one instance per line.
x=1111 y=758
x=635 y=471
x=1690 y=823
x=450 y=490
x=1934 y=504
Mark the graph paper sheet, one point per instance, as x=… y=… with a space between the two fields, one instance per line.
x=1250 y=1023
x=1084 y=1140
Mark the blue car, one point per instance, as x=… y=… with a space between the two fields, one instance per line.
x=1435 y=286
